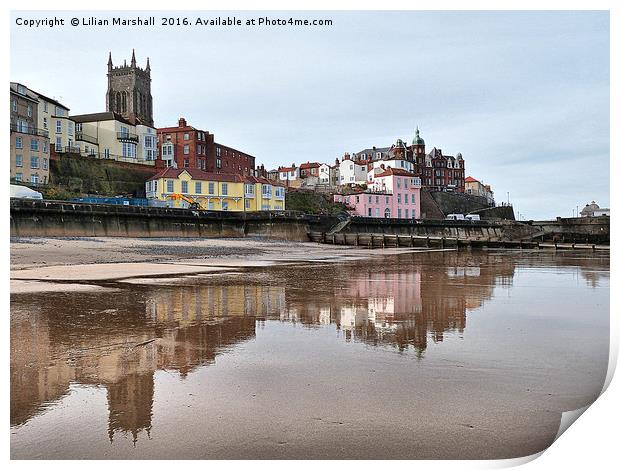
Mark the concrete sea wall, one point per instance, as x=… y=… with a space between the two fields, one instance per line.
x=64 y=219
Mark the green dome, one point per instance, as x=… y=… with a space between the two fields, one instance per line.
x=417 y=140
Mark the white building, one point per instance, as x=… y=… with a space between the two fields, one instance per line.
x=381 y=165
x=353 y=171
x=116 y=138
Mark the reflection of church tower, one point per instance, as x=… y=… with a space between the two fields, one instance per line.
x=129 y=91
x=130 y=403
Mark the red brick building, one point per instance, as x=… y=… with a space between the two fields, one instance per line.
x=185 y=146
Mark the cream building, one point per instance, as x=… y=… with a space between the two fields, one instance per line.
x=110 y=136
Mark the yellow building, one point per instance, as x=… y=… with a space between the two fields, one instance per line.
x=215 y=191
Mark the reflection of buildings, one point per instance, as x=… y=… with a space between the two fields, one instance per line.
x=399 y=305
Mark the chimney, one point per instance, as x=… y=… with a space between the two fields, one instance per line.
x=337 y=161
x=374 y=148
x=182 y=122
x=293 y=165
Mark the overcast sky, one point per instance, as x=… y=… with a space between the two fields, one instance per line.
x=524 y=96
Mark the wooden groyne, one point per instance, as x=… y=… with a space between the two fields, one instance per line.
x=382 y=240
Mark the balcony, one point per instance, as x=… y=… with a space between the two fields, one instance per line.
x=127 y=137
x=29 y=130
x=79 y=135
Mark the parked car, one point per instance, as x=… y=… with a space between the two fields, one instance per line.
x=455 y=217
x=24 y=192
x=472 y=217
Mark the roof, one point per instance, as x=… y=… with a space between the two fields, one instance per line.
x=394 y=172
x=197 y=174
x=50 y=100
x=107 y=116
x=287 y=168
x=30 y=95
x=470 y=179
x=307 y=165
x=178 y=129
x=373 y=151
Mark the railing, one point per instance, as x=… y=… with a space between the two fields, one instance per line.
x=126 y=136
x=29 y=130
x=103 y=156
x=79 y=135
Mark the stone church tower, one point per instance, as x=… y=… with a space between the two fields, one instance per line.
x=129 y=91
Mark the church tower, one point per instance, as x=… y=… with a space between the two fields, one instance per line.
x=129 y=91
x=418 y=151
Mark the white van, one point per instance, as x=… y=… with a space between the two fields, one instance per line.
x=455 y=217
x=472 y=217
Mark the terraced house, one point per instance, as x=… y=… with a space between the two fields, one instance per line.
x=183 y=187
x=29 y=144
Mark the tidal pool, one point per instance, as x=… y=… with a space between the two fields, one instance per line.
x=425 y=355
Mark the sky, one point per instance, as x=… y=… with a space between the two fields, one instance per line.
x=524 y=96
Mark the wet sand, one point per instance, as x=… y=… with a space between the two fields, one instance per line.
x=359 y=354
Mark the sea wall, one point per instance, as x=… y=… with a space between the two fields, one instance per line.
x=65 y=219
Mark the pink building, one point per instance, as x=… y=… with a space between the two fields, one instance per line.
x=394 y=194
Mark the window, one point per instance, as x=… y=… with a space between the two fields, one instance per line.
x=58 y=143
x=129 y=149
x=106 y=153
x=45 y=106
x=18 y=176
x=376 y=212
x=198 y=187
x=249 y=189
x=406 y=198
x=21 y=89
x=58 y=126
x=387 y=213
x=186 y=136
x=34 y=145
x=14 y=109
x=247 y=203
x=218 y=163
x=369 y=212
x=398 y=197
x=166 y=150
x=406 y=213
x=60 y=111
x=224 y=205
x=29 y=111
x=124 y=131
x=211 y=188
x=34 y=162
x=224 y=189
x=266 y=190
x=184 y=187
x=400 y=215
x=186 y=162
x=149 y=141
x=186 y=149
x=44 y=123
x=70 y=127
x=19 y=160
x=45 y=163
x=170 y=186
x=19 y=143
x=413 y=199
x=34 y=179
